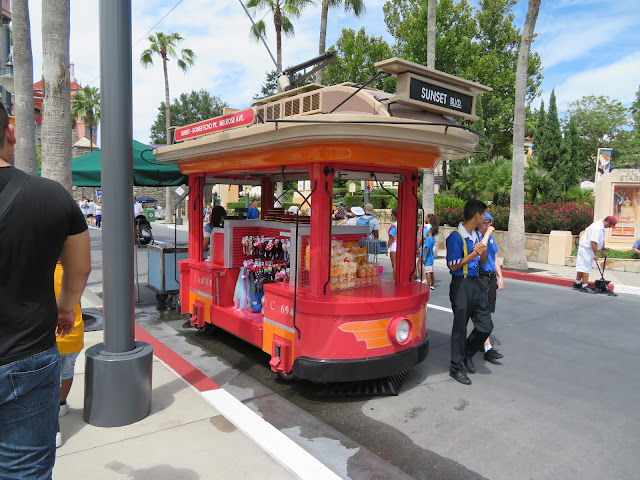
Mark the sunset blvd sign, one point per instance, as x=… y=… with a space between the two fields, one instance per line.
x=218 y=124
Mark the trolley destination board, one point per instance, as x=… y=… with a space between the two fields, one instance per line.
x=213 y=125
x=440 y=96
x=431 y=90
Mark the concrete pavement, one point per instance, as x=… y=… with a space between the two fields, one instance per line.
x=197 y=430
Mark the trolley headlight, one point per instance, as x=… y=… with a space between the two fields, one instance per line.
x=400 y=330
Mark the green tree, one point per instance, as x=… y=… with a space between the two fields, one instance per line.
x=538 y=134
x=599 y=120
x=165 y=47
x=356 y=55
x=355 y=6
x=86 y=105
x=480 y=44
x=626 y=148
x=188 y=108
x=456 y=30
x=283 y=11
x=478 y=126
x=551 y=139
x=537 y=182
x=495 y=66
x=570 y=174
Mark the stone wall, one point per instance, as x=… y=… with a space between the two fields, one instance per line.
x=615 y=264
x=536 y=244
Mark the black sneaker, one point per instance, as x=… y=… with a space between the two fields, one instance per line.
x=577 y=286
x=588 y=290
x=492 y=356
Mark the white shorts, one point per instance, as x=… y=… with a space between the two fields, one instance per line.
x=393 y=247
x=427 y=268
x=584 y=260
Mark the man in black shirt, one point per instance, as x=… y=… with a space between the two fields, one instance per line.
x=30 y=319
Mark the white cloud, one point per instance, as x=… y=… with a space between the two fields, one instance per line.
x=618 y=80
x=233 y=67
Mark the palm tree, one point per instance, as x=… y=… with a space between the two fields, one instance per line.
x=428 y=175
x=26 y=158
x=355 y=6
x=86 y=105
x=164 y=46
x=283 y=11
x=56 y=89
x=515 y=255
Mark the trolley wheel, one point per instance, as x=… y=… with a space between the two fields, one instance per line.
x=162 y=297
x=288 y=377
x=208 y=328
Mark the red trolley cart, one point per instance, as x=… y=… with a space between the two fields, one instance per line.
x=327 y=321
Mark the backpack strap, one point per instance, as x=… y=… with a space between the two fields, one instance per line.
x=11 y=190
x=465 y=268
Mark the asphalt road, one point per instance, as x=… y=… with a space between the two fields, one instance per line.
x=563 y=405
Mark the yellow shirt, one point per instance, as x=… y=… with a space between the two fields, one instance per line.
x=74 y=342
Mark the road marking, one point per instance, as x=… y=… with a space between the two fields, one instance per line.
x=438 y=307
x=275 y=443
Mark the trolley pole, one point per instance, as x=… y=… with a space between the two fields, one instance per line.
x=118 y=371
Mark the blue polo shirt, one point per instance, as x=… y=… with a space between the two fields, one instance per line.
x=455 y=251
x=492 y=251
x=252 y=213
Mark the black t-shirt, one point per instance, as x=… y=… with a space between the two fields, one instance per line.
x=32 y=234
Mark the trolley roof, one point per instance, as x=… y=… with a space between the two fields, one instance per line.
x=349 y=124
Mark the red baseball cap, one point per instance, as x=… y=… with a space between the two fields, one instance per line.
x=612 y=220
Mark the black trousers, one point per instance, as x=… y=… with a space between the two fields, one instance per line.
x=468 y=301
x=490 y=284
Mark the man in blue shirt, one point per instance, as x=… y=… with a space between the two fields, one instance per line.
x=468 y=297
x=253 y=211
x=636 y=248
x=491 y=279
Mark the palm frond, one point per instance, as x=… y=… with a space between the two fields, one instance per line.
x=287 y=26
x=259 y=29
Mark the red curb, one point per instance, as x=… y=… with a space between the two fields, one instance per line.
x=532 y=277
x=191 y=374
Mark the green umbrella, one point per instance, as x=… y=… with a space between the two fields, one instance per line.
x=146 y=173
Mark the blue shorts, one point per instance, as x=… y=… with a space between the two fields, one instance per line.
x=67 y=365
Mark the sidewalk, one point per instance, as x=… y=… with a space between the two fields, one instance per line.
x=621 y=282
x=195 y=430
x=184 y=437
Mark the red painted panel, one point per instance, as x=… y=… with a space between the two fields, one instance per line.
x=242 y=323
x=218 y=248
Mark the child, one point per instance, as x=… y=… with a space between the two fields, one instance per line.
x=427 y=257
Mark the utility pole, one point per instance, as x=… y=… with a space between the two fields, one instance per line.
x=118 y=371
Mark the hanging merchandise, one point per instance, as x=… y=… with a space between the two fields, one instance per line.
x=269 y=248
x=253 y=275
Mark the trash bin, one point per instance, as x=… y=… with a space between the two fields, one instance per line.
x=150 y=213
x=164 y=275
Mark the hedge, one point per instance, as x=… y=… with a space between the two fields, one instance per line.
x=234 y=205
x=573 y=217
x=630 y=254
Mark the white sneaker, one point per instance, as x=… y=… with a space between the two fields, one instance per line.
x=58 y=440
x=64 y=409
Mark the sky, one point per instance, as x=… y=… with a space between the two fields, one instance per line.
x=587 y=47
